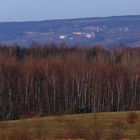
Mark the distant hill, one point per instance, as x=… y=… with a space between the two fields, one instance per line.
x=107 y=31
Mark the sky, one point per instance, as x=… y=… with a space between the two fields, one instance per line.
x=35 y=10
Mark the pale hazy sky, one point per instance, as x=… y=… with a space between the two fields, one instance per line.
x=23 y=10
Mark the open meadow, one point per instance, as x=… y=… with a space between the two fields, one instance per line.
x=104 y=126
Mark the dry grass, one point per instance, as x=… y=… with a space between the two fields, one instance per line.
x=20 y=135
x=84 y=126
x=117 y=131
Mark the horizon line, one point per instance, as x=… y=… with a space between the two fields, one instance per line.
x=74 y=18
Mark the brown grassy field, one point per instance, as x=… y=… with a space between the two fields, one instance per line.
x=99 y=126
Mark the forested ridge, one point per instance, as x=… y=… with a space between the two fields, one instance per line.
x=51 y=80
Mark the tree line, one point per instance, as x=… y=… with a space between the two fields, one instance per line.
x=50 y=80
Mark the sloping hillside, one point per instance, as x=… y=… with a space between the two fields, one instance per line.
x=74 y=126
x=107 y=31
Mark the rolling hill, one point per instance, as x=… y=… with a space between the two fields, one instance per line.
x=107 y=31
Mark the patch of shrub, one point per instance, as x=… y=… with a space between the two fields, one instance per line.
x=12 y=115
x=40 y=130
x=9 y=114
x=74 y=130
x=96 y=129
x=132 y=117
x=3 y=130
x=138 y=131
x=117 y=131
x=20 y=135
x=93 y=131
x=83 y=109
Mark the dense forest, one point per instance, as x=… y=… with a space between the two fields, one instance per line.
x=51 y=80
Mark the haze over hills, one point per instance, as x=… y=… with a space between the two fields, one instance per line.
x=107 y=31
